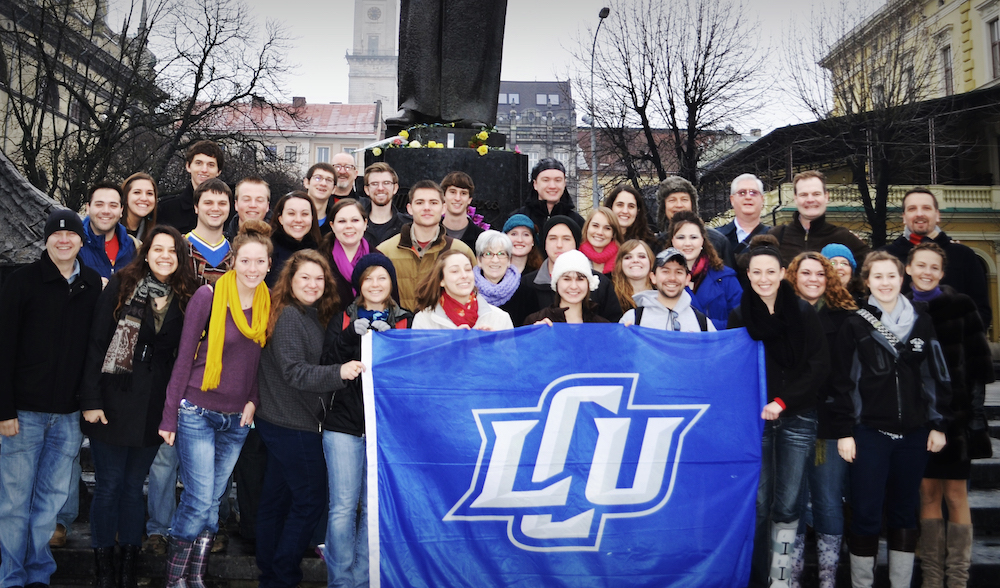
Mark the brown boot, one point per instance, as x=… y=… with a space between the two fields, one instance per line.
x=959 y=545
x=931 y=551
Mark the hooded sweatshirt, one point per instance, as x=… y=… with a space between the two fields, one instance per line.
x=657 y=316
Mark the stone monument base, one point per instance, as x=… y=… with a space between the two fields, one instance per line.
x=500 y=177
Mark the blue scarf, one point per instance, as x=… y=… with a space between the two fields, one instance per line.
x=921 y=296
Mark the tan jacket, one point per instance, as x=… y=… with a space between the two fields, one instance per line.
x=410 y=266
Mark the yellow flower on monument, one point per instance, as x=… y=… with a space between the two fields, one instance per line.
x=483 y=149
x=415 y=143
x=404 y=134
x=432 y=144
x=377 y=151
x=439 y=145
x=483 y=135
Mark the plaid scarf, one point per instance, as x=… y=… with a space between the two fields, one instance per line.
x=118 y=359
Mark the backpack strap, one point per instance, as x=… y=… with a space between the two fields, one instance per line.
x=893 y=339
x=638 y=315
x=702 y=319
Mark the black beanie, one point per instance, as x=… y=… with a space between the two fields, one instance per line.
x=372 y=259
x=560 y=219
x=63 y=219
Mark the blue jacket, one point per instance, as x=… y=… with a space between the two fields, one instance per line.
x=93 y=256
x=718 y=295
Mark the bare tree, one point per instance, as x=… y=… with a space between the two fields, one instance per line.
x=85 y=103
x=865 y=75
x=684 y=66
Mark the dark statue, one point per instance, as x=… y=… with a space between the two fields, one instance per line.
x=449 y=61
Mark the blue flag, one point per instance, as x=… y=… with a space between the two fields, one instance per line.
x=573 y=455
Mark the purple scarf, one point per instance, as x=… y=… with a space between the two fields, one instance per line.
x=346 y=266
x=497 y=294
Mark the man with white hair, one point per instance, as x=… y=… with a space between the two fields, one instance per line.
x=746 y=194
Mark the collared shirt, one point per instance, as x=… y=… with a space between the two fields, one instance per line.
x=76 y=272
x=741 y=233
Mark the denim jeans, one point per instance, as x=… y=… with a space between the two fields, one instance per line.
x=249 y=477
x=70 y=510
x=292 y=502
x=346 y=550
x=208 y=444
x=824 y=487
x=34 y=467
x=886 y=470
x=162 y=499
x=118 y=506
x=785 y=447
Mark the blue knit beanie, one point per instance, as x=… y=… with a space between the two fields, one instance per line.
x=518 y=220
x=837 y=250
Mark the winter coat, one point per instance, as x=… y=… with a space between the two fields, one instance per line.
x=132 y=403
x=44 y=325
x=965 y=272
x=962 y=338
x=284 y=247
x=538 y=211
x=557 y=314
x=92 y=253
x=831 y=319
x=796 y=359
x=490 y=317
x=341 y=345
x=535 y=293
x=885 y=388
x=794 y=239
x=411 y=267
x=717 y=295
x=655 y=316
x=295 y=387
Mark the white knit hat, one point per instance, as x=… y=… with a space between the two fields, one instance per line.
x=574 y=261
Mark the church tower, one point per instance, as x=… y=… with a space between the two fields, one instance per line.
x=372 y=62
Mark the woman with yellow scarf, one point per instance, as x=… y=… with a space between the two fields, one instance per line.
x=212 y=396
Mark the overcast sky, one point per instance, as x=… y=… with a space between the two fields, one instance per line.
x=538 y=36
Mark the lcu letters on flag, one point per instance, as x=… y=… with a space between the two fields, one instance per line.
x=573 y=455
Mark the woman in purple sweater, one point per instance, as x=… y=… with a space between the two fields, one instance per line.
x=212 y=396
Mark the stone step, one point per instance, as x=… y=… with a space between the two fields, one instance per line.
x=985 y=505
x=986 y=472
x=995 y=428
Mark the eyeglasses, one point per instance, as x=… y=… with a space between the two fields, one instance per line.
x=387 y=184
x=344 y=167
x=323 y=179
x=744 y=193
x=501 y=255
x=840 y=263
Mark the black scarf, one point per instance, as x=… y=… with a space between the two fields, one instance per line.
x=783 y=332
x=118 y=359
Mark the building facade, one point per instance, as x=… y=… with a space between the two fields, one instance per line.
x=372 y=61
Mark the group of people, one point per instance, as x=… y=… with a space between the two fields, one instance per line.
x=185 y=340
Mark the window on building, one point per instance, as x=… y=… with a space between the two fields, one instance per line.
x=291 y=153
x=502 y=98
x=4 y=73
x=532 y=159
x=322 y=155
x=271 y=152
x=554 y=99
x=372 y=44
x=946 y=71
x=995 y=46
x=513 y=99
x=541 y=99
x=48 y=91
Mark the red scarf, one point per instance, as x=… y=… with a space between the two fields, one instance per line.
x=916 y=239
x=460 y=314
x=606 y=257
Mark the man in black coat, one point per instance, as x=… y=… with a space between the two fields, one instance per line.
x=46 y=309
x=964 y=273
x=674 y=195
x=549 y=195
x=203 y=161
x=746 y=194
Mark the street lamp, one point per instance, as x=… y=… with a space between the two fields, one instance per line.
x=594 y=200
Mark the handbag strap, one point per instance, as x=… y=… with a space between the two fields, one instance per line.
x=893 y=339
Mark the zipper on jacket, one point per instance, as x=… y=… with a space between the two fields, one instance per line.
x=899 y=400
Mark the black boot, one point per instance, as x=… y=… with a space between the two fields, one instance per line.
x=128 y=577
x=104 y=564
